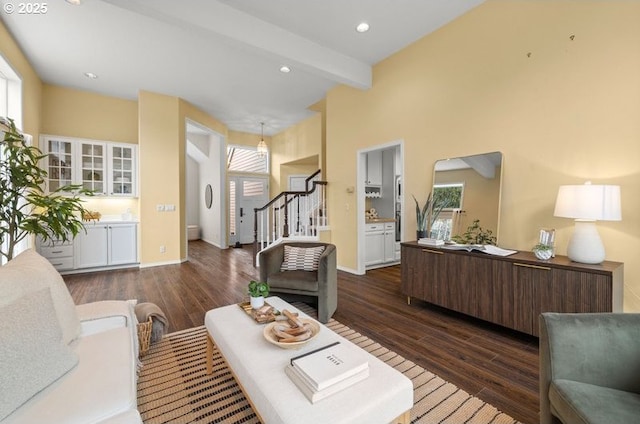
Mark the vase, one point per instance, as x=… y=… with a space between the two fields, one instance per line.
x=421 y=234
x=543 y=255
x=257 y=302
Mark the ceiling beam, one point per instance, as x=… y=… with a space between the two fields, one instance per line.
x=218 y=19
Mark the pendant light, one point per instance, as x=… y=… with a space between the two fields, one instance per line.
x=262 y=149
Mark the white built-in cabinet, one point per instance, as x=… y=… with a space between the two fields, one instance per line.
x=106 y=245
x=380 y=243
x=107 y=168
x=374 y=168
x=103 y=245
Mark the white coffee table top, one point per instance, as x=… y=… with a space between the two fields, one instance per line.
x=259 y=366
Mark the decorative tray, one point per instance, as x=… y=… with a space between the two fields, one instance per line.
x=260 y=318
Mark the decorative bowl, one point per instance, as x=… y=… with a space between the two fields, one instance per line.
x=271 y=337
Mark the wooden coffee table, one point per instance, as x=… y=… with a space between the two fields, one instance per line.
x=386 y=396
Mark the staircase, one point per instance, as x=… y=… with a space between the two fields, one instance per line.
x=297 y=215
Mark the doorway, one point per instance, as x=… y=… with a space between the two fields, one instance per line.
x=297 y=182
x=245 y=194
x=204 y=167
x=380 y=187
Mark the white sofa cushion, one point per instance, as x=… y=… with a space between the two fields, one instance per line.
x=28 y=272
x=32 y=353
x=102 y=386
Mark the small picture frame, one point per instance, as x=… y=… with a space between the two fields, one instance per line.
x=548 y=238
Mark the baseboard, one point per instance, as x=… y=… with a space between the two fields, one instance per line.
x=349 y=270
x=152 y=264
x=214 y=244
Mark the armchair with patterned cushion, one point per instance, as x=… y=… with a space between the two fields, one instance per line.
x=589 y=368
x=301 y=270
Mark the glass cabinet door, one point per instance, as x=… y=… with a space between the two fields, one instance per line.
x=123 y=170
x=93 y=163
x=59 y=163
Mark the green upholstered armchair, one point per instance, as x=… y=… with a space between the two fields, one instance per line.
x=589 y=368
x=321 y=284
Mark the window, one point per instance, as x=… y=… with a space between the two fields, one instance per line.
x=10 y=93
x=246 y=159
x=451 y=196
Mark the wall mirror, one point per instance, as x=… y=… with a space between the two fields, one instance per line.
x=473 y=185
x=208 y=196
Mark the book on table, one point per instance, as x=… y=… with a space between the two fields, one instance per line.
x=485 y=248
x=431 y=242
x=331 y=364
x=314 y=395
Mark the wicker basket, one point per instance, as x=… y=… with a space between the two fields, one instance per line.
x=144 y=335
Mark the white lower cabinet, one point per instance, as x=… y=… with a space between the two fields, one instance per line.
x=106 y=245
x=380 y=243
x=123 y=245
x=374 y=244
x=59 y=253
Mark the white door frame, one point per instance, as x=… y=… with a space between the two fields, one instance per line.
x=361 y=200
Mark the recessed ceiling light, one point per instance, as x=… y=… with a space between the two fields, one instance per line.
x=74 y=2
x=362 y=27
x=90 y=75
x=285 y=69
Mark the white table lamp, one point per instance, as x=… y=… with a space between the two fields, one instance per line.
x=586 y=204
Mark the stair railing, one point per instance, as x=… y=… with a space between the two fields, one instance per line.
x=291 y=214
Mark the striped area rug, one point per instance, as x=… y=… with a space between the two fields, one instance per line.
x=173 y=386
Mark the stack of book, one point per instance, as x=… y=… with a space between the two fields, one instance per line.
x=328 y=370
x=431 y=242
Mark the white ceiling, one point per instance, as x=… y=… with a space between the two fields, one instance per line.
x=224 y=56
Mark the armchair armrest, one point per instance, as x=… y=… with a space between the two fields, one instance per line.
x=600 y=348
x=270 y=261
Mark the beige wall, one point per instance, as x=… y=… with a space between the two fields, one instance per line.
x=74 y=113
x=299 y=145
x=159 y=135
x=31 y=83
x=82 y=114
x=564 y=113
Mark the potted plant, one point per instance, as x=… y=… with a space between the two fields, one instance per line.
x=24 y=206
x=475 y=234
x=258 y=290
x=428 y=214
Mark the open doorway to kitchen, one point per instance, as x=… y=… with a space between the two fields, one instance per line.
x=380 y=205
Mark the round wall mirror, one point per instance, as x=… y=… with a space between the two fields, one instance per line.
x=208 y=196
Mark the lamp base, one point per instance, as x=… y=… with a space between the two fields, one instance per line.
x=585 y=245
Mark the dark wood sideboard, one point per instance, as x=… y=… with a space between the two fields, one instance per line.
x=510 y=291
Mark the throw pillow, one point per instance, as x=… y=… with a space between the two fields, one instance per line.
x=301 y=258
x=28 y=272
x=32 y=352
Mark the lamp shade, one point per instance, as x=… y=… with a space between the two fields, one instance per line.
x=589 y=202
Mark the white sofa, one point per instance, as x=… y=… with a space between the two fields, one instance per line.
x=62 y=363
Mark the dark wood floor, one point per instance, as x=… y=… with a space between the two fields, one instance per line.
x=497 y=365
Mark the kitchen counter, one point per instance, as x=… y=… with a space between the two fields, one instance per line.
x=377 y=220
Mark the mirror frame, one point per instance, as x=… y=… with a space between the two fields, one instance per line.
x=208 y=196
